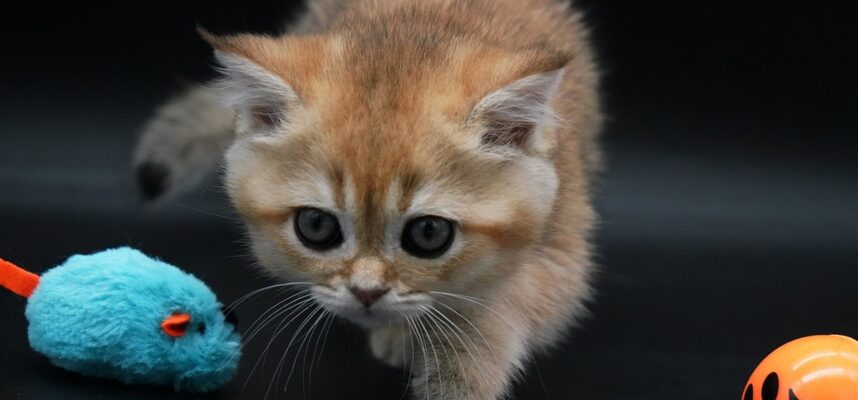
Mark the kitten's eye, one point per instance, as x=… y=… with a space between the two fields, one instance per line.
x=428 y=237
x=318 y=229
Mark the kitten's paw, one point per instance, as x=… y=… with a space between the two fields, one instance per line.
x=390 y=346
x=181 y=144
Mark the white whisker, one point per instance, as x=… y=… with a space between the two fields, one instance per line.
x=475 y=301
x=292 y=341
x=461 y=333
x=298 y=310
x=411 y=363
x=307 y=339
x=476 y=330
x=419 y=337
x=249 y=336
x=254 y=329
x=246 y=297
x=434 y=320
x=324 y=329
x=437 y=366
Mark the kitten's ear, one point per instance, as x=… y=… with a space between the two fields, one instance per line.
x=515 y=116
x=262 y=100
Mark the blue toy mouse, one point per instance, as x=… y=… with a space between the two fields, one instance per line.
x=119 y=314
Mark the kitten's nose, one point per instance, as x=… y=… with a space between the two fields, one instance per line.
x=368 y=296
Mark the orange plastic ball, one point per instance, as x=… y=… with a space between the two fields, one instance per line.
x=810 y=368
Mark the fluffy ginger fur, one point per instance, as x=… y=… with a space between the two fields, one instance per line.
x=484 y=112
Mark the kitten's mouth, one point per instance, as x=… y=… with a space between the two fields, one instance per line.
x=373 y=318
x=390 y=310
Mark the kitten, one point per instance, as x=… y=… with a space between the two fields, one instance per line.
x=426 y=164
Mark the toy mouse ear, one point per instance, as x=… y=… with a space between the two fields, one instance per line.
x=176 y=325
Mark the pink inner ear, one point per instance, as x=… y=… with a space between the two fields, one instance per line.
x=512 y=114
x=515 y=135
x=267 y=117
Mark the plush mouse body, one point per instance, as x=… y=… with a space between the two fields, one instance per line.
x=122 y=315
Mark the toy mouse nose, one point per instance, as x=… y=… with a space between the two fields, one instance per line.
x=368 y=296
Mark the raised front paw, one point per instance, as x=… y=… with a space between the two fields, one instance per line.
x=181 y=144
x=391 y=346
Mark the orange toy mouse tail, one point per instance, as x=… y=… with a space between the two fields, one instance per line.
x=17 y=279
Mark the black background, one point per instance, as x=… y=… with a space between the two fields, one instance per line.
x=730 y=206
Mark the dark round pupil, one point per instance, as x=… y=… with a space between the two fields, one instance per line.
x=428 y=230
x=316 y=222
x=317 y=226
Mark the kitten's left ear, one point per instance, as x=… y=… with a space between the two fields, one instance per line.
x=516 y=116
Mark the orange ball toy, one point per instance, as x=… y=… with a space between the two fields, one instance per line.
x=811 y=368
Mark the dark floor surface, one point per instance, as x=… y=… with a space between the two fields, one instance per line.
x=708 y=261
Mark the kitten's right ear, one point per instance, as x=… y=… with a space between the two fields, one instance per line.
x=262 y=100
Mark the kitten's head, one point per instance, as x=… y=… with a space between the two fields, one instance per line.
x=383 y=172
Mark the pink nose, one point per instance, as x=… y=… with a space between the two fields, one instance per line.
x=368 y=297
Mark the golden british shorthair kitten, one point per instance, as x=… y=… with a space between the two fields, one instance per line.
x=424 y=165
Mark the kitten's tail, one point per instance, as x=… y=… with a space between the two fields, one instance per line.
x=17 y=279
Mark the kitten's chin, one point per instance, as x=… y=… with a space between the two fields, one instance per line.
x=371 y=320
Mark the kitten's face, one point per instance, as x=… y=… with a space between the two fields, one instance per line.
x=381 y=195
